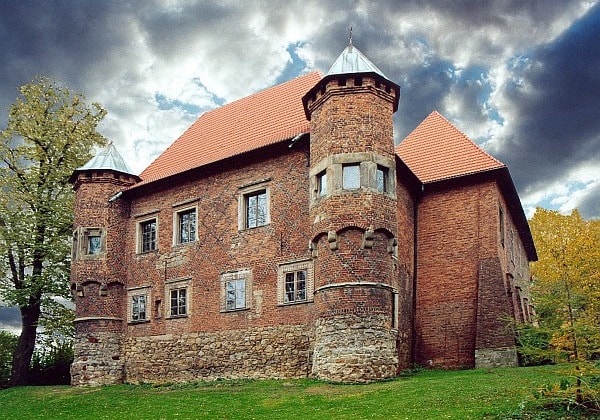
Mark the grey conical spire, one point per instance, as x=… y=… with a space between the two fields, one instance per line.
x=351 y=60
x=108 y=158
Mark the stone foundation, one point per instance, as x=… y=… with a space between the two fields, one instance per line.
x=258 y=353
x=354 y=348
x=502 y=357
x=97 y=360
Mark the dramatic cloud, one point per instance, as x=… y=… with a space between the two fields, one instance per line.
x=519 y=77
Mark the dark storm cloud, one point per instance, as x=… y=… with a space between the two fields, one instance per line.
x=557 y=108
x=10 y=318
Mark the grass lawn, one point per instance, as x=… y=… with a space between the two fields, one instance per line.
x=467 y=394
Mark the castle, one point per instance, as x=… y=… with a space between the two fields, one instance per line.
x=284 y=235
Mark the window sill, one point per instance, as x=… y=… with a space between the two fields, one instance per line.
x=224 y=311
x=304 y=302
x=176 y=316
x=141 y=321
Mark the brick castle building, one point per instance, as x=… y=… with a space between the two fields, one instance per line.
x=284 y=235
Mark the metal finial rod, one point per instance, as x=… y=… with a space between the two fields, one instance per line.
x=350 y=37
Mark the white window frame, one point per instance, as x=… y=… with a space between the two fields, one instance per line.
x=140 y=234
x=144 y=291
x=385 y=171
x=321 y=184
x=294 y=267
x=239 y=280
x=245 y=194
x=177 y=225
x=346 y=184
x=176 y=285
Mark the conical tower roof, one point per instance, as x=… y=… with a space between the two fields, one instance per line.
x=351 y=60
x=108 y=158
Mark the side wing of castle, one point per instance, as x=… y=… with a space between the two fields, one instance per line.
x=283 y=235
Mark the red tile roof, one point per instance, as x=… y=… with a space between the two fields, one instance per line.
x=267 y=117
x=436 y=150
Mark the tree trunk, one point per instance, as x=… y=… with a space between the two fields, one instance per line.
x=30 y=315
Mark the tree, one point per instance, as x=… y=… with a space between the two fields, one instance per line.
x=50 y=132
x=566 y=286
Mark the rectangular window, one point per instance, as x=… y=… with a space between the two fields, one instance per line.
x=138 y=308
x=295 y=286
x=382 y=179
x=256 y=209
x=186 y=226
x=351 y=176
x=235 y=294
x=148 y=235
x=235 y=290
x=94 y=244
x=295 y=282
x=322 y=184
x=178 y=302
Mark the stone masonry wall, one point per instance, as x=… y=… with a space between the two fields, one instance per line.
x=355 y=348
x=97 y=359
x=262 y=352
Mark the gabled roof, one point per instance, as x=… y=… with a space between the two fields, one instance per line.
x=436 y=151
x=258 y=120
x=351 y=60
x=108 y=158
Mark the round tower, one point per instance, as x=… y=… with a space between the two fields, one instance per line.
x=97 y=276
x=353 y=207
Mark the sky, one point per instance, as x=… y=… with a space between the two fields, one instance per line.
x=520 y=78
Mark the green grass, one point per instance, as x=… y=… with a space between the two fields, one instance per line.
x=469 y=394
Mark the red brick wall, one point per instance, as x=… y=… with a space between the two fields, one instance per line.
x=456 y=230
x=221 y=247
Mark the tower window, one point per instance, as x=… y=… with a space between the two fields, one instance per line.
x=322 y=184
x=351 y=176
x=382 y=175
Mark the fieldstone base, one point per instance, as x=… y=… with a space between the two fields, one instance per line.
x=258 y=353
x=97 y=360
x=501 y=357
x=354 y=348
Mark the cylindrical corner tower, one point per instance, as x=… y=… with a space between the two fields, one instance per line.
x=96 y=279
x=353 y=207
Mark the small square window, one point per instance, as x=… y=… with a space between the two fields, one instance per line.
x=382 y=178
x=137 y=306
x=147 y=235
x=322 y=184
x=178 y=302
x=186 y=226
x=255 y=209
x=351 y=176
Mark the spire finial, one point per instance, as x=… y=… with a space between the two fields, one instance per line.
x=350 y=37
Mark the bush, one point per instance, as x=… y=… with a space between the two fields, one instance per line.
x=51 y=365
x=8 y=343
x=533 y=346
